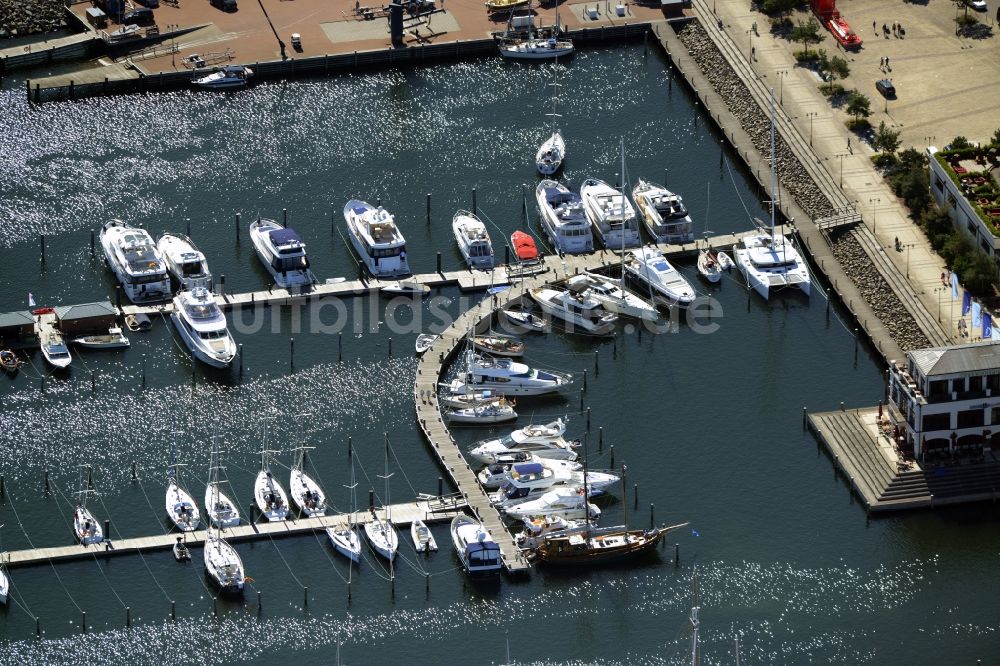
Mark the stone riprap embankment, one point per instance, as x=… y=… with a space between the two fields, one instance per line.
x=796 y=181
x=28 y=17
x=880 y=296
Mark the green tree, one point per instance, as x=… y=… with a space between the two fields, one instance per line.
x=912 y=158
x=807 y=33
x=886 y=139
x=859 y=106
x=960 y=143
x=779 y=7
x=996 y=138
x=837 y=67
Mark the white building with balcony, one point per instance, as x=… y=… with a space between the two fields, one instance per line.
x=947 y=399
x=951 y=199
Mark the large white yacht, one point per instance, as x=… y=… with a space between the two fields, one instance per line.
x=527 y=481
x=580 y=312
x=186 y=264
x=663 y=213
x=376 y=238
x=768 y=260
x=473 y=240
x=282 y=252
x=202 y=327
x=135 y=261
x=544 y=441
x=611 y=214
x=649 y=267
x=610 y=293
x=506 y=377
x=477 y=551
x=564 y=218
x=563 y=502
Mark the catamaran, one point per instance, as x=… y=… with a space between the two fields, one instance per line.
x=768 y=260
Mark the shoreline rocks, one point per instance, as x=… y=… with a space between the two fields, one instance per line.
x=28 y=17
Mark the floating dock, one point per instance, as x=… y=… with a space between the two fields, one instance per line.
x=429 y=511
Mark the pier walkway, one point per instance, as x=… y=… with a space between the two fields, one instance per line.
x=431 y=510
x=466 y=280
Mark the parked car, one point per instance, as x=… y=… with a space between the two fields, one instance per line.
x=885 y=87
x=141 y=16
x=978 y=5
x=225 y=5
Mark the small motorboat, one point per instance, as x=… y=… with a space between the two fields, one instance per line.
x=406 y=288
x=181 y=552
x=346 y=541
x=464 y=400
x=138 y=322
x=9 y=361
x=477 y=551
x=495 y=6
x=708 y=266
x=424 y=342
x=525 y=320
x=54 y=350
x=224 y=78
x=725 y=261
x=498 y=345
x=4 y=586
x=423 y=539
x=496 y=411
x=524 y=247
x=113 y=339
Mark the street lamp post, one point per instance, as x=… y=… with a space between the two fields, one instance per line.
x=908 y=246
x=781 y=85
x=874 y=204
x=841 y=156
x=811 y=114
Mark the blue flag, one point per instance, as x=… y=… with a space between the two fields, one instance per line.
x=695 y=532
x=966 y=302
x=977 y=313
x=987 y=327
x=954 y=287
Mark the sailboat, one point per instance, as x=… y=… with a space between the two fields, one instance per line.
x=380 y=533
x=552 y=152
x=181 y=509
x=768 y=260
x=223 y=563
x=345 y=539
x=534 y=47
x=305 y=492
x=708 y=260
x=85 y=526
x=221 y=510
x=267 y=491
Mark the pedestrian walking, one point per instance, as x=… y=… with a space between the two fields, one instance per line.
x=753 y=52
x=887 y=64
x=874 y=27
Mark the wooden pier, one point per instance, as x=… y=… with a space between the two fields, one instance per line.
x=465 y=280
x=431 y=510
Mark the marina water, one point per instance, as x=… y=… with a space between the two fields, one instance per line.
x=709 y=426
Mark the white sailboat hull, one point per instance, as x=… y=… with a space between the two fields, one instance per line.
x=346 y=542
x=181 y=509
x=271 y=498
x=382 y=537
x=306 y=494
x=551 y=154
x=222 y=514
x=224 y=566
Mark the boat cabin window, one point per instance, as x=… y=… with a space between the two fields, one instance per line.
x=287 y=264
x=510 y=491
x=147 y=279
x=190 y=268
x=212 y=335
x=382 y=253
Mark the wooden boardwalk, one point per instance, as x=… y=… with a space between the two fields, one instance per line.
x=466 y=280
x=401 y=514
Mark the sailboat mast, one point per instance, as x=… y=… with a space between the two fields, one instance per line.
x=586 y=491
x=695 y=623
x=624 y=497
x=774 y=171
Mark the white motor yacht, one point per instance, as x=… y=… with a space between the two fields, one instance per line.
x=376 y=239
x=545 y=441
x=663 y=213
x=135 y=261
x=477 y=551
x=223 y=564
x=54 y=349
x=282 y=252
x=203 y=328
x=305 y=492
x=185 y=263
x=581 y=313
x=667 y=286
x=610 y=214
x=497 y=410
x=768 y=260
x=549 y=157
x=507 y=377
x=423 y=538
x=271 y=498
x=564 y=502
x=610 y=293
x=224 y=78
x=526 y=481
x=473 y=240
x=564 y=218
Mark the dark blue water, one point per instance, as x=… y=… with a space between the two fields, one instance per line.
x=709 y=426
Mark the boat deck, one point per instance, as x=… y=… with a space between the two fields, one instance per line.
x=402 y=514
